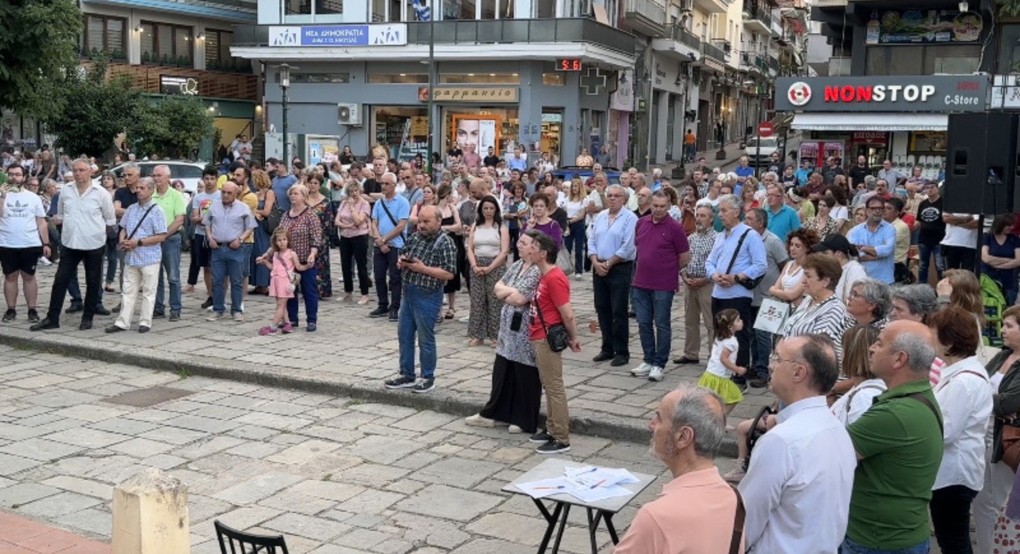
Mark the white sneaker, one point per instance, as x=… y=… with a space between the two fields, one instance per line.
x=655 y=374
x=642 y=370
x=242 y=306
x=44 y=261
x=578 y=276
x=515 y=430
x=478 y=421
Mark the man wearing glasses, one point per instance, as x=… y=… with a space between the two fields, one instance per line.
x=875 y=240
x=611 y=251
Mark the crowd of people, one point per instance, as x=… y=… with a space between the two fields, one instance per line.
x=814 y=283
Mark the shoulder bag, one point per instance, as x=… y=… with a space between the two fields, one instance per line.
x=748 y=283
x=738 y=523
x=389 y=215
x=140 y=221
x=556 y=335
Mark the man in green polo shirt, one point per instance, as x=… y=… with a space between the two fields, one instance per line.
x=899 y=445
x=174 y=206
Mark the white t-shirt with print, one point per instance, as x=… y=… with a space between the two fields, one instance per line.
x=18 y=227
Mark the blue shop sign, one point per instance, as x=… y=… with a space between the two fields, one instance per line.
x=392 y=34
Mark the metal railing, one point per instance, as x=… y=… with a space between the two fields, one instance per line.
x=685 y=37
x=488 y=32
x=648 y=9
x=754 y=10
x=713 y=51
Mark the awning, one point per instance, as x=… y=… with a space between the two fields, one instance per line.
x=871 y=121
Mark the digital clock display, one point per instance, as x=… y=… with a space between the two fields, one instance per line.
x=568 y=64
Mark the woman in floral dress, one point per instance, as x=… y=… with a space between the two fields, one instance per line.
x=320 y=206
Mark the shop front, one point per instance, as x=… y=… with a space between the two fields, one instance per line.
x=900 y=118
x=477 y=105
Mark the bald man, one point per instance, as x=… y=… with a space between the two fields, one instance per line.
x=687 y=429
x=228 y=223
x=427 y=262
x=899 y=446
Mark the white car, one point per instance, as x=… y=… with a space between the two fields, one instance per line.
x=190 y=173
x=760 y=155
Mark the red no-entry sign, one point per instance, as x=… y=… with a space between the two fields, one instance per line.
x=765 y=129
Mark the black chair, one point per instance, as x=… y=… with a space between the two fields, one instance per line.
x=754 y=434
x=247 y=543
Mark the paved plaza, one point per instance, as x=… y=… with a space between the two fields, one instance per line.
x=333 y=474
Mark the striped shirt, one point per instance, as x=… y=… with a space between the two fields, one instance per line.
x=828 y=318
x=153 y=223
x=701 y=243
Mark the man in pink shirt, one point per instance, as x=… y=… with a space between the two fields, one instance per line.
x=697 y=510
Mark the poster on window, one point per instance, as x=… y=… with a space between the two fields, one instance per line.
x=475 y=134
x=922 y=26
x=322 y=149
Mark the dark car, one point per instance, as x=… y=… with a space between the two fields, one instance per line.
x=568 y=172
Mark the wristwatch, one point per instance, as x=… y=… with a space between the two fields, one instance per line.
x=139 y=242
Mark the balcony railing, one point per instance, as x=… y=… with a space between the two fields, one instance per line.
x=685 y=37
x=488 y=32
x=650 y=11
x=755 y=11
x=714 y=52
x=216 y=84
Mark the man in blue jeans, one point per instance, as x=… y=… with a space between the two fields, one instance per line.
x=427 y=261
x=662 y=251
x=174 y=207
x=775 y=256
x=228 y=223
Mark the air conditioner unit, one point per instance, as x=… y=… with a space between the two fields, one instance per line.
x=687 y=6
x=349 y=114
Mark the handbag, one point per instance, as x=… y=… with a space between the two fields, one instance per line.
x=272 y=221
x=772 y=315
x=748 y=283
x=556 y=335
x=1010 y=442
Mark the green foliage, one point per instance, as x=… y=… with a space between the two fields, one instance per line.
x=172 y=127
x=94 y=110
x=39 y=40
x=1008 y=8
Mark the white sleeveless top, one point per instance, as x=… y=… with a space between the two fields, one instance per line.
x=487 y=242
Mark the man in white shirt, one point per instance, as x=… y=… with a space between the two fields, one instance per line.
x=86 y=210
x=24 y=237
x=959 y=246
x=804 y=467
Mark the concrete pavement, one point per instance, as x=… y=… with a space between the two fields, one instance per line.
x=351 y=354
x=333 y=474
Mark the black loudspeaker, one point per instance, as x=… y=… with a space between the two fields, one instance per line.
x=982 y=164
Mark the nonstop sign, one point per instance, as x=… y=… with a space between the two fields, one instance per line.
x=925 y=93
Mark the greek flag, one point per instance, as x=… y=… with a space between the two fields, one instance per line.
x=421 y=11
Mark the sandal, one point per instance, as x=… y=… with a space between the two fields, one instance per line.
x=450 y=313
x=475 y=342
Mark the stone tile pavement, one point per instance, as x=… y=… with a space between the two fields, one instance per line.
x=351 y=354
x=19 y=535
x=334 y=474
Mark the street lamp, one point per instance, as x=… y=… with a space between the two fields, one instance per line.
x=284 y=85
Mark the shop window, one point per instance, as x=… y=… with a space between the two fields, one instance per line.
x=313 y=7
x=398 y=78
x=315 y=78
x=404 y=130
x=388 y=10
x=104 y=34
x=297 y=7
x=543 y=9
x=905 y=60
x=166 y=44
x=479 y=78
x=553 y=80
x=217 y=52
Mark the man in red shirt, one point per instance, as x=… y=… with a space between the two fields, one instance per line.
x=662 y=251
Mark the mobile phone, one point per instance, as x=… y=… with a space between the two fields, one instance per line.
x=515 y=322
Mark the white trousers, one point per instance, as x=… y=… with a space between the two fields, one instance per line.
x=989 y=502
x=145 y=277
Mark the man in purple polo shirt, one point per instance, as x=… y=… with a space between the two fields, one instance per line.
x=662 y=251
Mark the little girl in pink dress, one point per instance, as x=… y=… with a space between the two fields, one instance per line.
x=282 y=262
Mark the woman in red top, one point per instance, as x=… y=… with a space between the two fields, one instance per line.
x=551 y=307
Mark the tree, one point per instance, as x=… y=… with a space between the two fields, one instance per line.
x=172 y=127
x=39 y=40
x=95 y=110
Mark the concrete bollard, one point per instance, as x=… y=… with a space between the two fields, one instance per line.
x=150 y=515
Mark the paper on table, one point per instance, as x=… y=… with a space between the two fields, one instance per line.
x=546 y=487
x=598 y=494
x=600 y=477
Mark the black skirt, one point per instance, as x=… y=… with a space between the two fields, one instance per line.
x=516 y=394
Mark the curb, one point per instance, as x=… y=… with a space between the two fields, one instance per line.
x=582 y=421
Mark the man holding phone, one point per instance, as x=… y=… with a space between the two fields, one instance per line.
x=427 y=262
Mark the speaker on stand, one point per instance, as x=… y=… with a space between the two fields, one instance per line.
x=982 y=164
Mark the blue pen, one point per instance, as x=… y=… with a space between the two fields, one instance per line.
x=545 y=488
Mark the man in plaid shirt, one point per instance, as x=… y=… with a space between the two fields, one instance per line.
x=427 y=261
x=698 y=296
x=142 y=230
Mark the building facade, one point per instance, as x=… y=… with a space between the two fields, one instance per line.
x=547 y=76
x=894 y=50
x=166 y=47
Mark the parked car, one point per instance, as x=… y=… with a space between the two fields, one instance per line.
x=568 y=172
x=761 y=154
x=190 y=173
